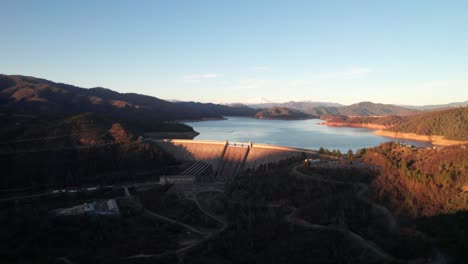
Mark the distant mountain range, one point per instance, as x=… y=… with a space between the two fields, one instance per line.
x=303 y=106
x=362 y=108
x=440 y=106
x=366 y=109
x=39 y=96
x=325 y=108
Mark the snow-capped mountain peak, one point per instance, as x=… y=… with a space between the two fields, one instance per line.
x=258 y=100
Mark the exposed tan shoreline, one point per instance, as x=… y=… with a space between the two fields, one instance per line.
x=434 y=139
x=358 y=125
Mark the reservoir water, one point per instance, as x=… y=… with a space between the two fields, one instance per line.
x=294 y=133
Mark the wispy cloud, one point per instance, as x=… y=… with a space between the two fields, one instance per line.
x=200 y=77
x=250 y=84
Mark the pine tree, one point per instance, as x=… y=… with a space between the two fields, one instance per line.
x=321 y=150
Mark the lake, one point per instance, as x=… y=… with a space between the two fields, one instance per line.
x=294 y=133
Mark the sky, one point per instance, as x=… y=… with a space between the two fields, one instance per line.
x=398 y=52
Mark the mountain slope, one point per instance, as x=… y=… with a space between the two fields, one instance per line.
x=451 y=123
x=303 y=106
x=282 y=113
x=373 y=109
x=434 y=107
x=34 y=95
x=324 y=108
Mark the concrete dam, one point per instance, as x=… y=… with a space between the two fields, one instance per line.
x=228 y=159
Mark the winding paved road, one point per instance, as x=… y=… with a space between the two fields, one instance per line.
x=363 y=243
x=180 y=251
x=362 y=189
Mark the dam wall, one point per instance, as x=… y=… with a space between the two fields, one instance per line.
x=229 y=158
x=191 y=150
x=261 y=154
x=232 y=162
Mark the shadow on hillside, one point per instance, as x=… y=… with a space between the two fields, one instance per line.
x=449 y=232
x=178 y=152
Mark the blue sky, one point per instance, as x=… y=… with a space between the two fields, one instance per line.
x=401 y=52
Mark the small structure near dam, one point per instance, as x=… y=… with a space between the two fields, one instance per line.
x=228 y=159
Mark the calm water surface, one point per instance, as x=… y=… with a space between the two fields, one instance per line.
x=298 y=133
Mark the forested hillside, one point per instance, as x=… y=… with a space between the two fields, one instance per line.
x=452 y=123
x=282 y=113
x=21 y=131
x=363 y=121
x=421 y=182
x=428 y=190
x=34 y=95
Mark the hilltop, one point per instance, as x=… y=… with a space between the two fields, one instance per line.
x=373 y=109
x=34 y=95
x=437 y=107
x=326 y=108
x=444 y=127
x=303 y=106
x=451 y=123
x=282 y=113
x=363 y=109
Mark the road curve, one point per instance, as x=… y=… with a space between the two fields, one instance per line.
x=439 y=258
x=362 y=189
x=208 y=235
x=363 y=243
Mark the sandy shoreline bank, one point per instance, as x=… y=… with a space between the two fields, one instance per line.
x=434 y=139
x=356 y=125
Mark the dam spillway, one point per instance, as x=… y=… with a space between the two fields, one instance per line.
x=232 y=161
x=228 y=159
